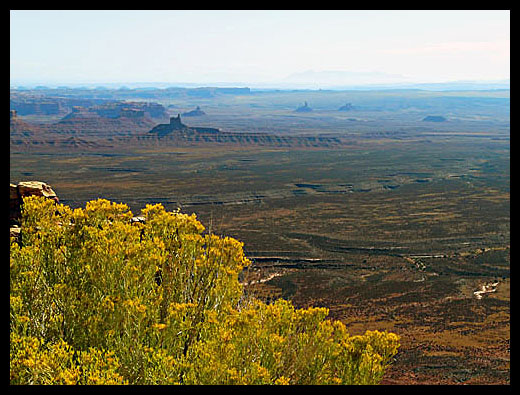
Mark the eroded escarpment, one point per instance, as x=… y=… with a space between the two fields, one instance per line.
x=83 y=128
x=177 y=132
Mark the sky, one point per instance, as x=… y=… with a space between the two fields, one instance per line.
x=258 y=47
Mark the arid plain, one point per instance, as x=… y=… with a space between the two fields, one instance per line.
x=392 y=222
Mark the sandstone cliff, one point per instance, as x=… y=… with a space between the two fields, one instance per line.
x=194 y=113
x=16 y=195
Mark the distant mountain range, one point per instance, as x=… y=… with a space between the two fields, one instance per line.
x=379 y=80
x=307 y=80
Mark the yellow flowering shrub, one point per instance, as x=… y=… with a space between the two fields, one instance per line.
x=98 y=299
x=33 y=362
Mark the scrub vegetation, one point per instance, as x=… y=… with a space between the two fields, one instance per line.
x=96 y=298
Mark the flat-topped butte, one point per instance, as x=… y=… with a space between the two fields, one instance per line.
x=176 y=125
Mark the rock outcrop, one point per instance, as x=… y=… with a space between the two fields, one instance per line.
x=31 y=103
x=132 y=113
x=194 y=113
x=32 y=188
x=47 y=107
x=176 y=127
x=180 y=134
x=346 y=107
x=17 y=124
x=304 y=108
x=176 y=123
x=23 y=189
x=80 y=112
x=130 y=110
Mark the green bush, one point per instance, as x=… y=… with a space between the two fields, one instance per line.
x=97 y=299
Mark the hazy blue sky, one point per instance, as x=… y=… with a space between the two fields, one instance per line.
x=258 y=46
